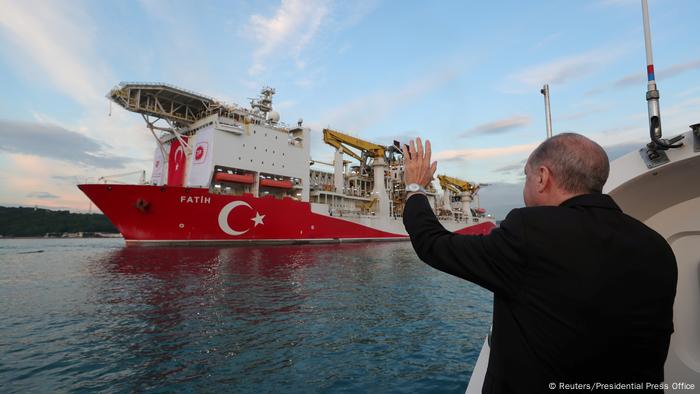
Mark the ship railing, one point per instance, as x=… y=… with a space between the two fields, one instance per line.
x=154 y=84
x=350 y=213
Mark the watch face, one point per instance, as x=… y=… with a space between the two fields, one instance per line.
x=413 y=187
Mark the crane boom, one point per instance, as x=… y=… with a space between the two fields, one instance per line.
x=457 y=185
x=343 y=142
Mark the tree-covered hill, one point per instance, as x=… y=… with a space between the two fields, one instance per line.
x=30 y=222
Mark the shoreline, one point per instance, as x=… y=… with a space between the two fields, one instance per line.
x=116 y=235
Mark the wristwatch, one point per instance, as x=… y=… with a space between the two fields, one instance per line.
x=414 y=187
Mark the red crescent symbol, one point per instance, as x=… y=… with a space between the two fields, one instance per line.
x=178 y=157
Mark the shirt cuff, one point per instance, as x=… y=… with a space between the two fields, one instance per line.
x=411 y=194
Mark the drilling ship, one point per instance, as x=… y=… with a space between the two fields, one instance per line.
x=228 y=174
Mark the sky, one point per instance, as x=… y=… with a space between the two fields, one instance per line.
x=466 y=75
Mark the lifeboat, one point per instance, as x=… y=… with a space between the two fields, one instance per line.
x=277 y=184
x=234 y=178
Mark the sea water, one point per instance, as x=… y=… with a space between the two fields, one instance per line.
x=94 y=315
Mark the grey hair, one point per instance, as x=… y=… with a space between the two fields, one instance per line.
x=578 y=164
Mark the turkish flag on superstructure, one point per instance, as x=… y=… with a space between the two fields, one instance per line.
x=177 y=160
x=158 y=174
x=200 y=167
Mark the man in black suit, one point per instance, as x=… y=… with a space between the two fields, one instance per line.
x=583 y=294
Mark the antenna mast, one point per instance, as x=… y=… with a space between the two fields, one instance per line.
x=547 y=109
x=652 y=91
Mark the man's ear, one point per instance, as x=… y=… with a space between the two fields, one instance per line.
x=544 y=179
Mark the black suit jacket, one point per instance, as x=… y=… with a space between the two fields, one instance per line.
x=582 y=292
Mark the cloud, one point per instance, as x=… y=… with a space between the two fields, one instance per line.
x=483 y=153
x=547 y=40
x=29 y=174
x=54 y=44
x=70 y=179
x=669 y=72
x=693 y=91
x=616 y=150
x=288 y=32
x=582 y=114
x=360 y=113
x=57 y=39
x=516 y=168
x=509 y=168
x=559 y=71
x=500 y=126
x=346 y=14
x=639 y=79
x=675 y=119
x=42 y=195
x=55 y=142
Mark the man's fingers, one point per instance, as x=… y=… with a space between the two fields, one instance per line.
x=433 y=168
x=404 y=149
x=419 y=146
x=427 y=151
x=412 y=149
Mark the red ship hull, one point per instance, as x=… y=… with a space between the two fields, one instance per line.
x=170 y=214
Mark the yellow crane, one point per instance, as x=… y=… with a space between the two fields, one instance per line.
x=457 y=185
x=367 y=149
x=343 y=142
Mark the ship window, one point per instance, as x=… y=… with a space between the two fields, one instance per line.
x=265 y=149
x=255 y=147
x=244 y=145
x=275 y=137
x=253 y=131
x=282 y=165
x=239 y=158
x=265 y=134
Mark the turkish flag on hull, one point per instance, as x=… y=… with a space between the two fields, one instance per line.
x=177 y=160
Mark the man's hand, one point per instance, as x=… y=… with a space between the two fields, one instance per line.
x=417 y=166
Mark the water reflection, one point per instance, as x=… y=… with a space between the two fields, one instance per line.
x=261 y=312
x=348 y=317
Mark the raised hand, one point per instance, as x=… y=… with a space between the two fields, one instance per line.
x=417 y=166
